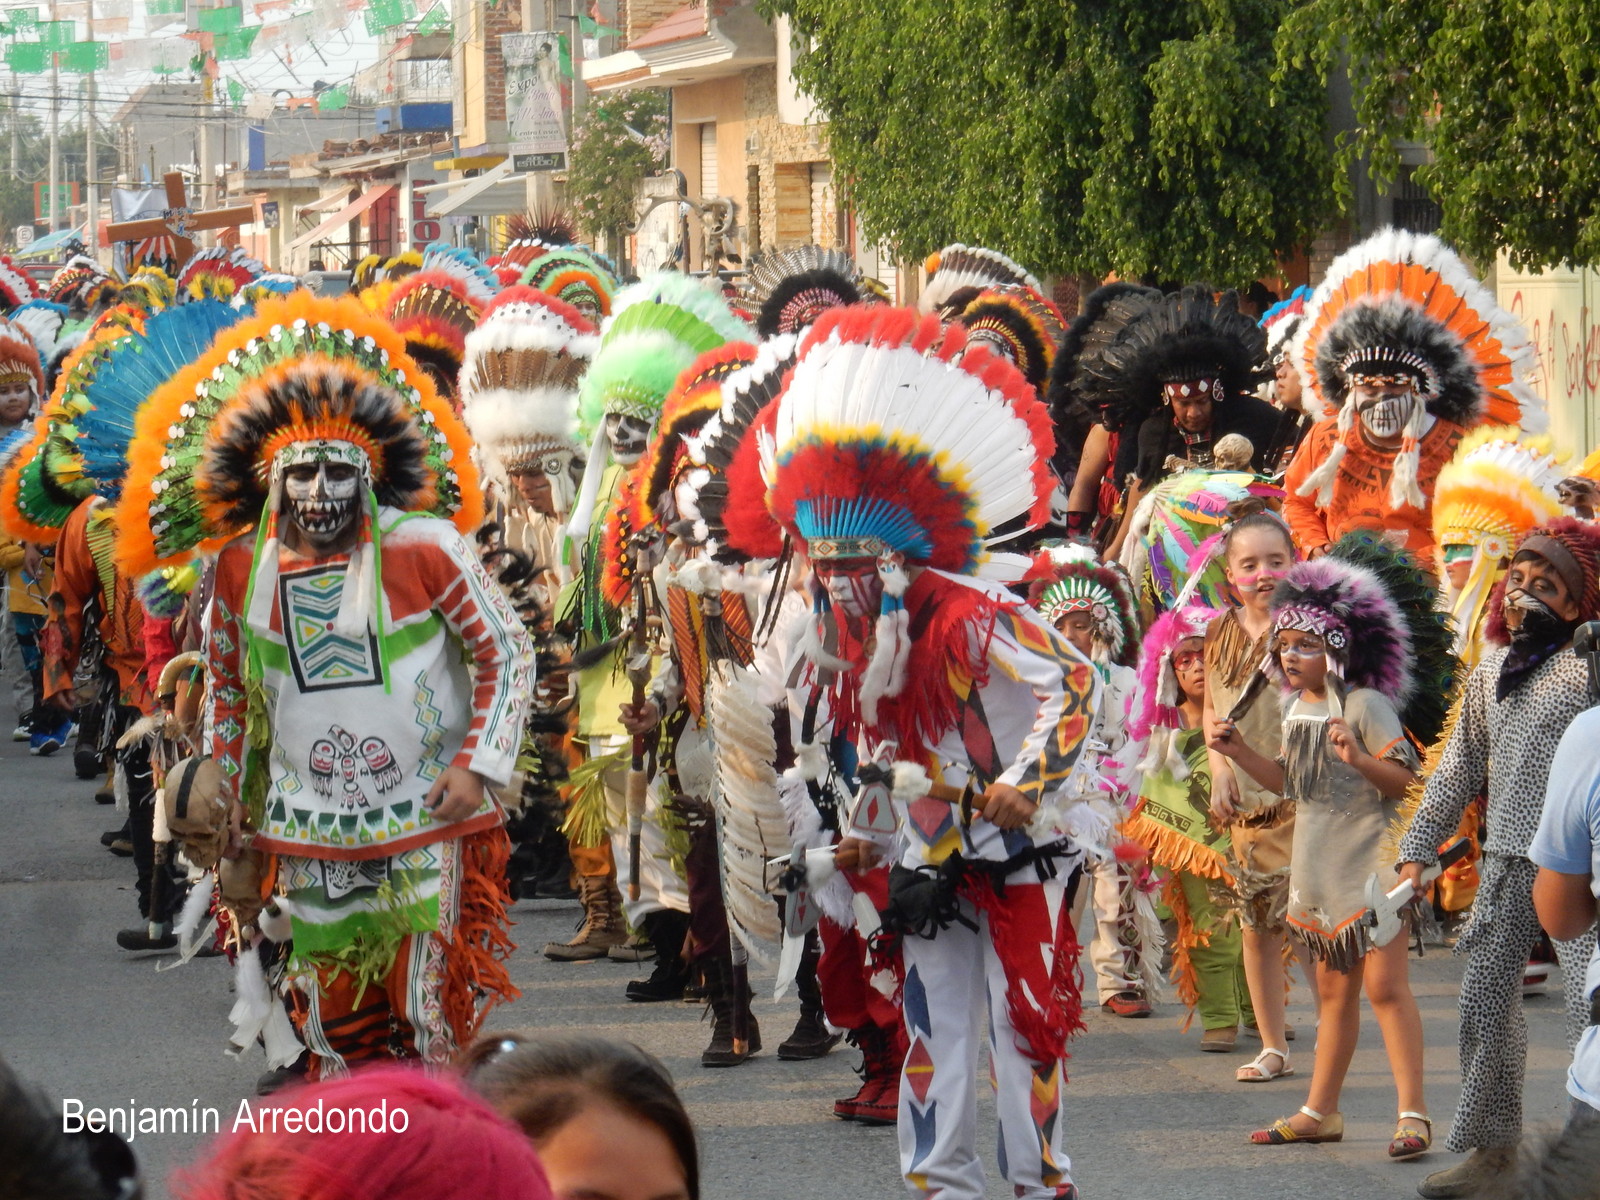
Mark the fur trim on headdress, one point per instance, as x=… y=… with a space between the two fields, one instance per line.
x=789 y=289
x=1405 y=300
x=1191 y=334
x=873 y=442
x=1066 y=579
x=161 y=519
x=1020 y=324
x=959 y=269
x=519 y=377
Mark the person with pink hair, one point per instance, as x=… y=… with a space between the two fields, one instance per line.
x=389 y=1133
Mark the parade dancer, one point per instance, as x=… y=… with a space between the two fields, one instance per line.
x=1401 y=351
x=368 y=679
x=1091 y=605
x=657 y=329
x=963 y=697
x=1172 y=821
x=1501 y=735
x=1365 y=660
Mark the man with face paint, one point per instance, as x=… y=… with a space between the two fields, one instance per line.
x=1396 y=377
x=369 y=680
x=968 y=711
x=1508 y=719
x=658 y=328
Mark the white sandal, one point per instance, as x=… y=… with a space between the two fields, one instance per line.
x=1259 y=1065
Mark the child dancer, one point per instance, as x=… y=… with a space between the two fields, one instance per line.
x=1172 y=821
x=1343 y=648
x=1257 y=552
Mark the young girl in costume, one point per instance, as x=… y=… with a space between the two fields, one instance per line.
x=1342 y=646
x=1257 y=552
x=1172 y=821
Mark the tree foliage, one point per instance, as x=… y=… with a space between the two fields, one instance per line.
x=1091 y=136
x=621 y=139
x=1503 y=93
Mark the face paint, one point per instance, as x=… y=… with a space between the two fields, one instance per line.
x=854 y=587
x=321 y=500
x=1384 y=409
x=630 y=436
x=1264 y=580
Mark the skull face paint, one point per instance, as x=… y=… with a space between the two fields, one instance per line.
x=320 y=500
x=1384 y=408
x=629 y=437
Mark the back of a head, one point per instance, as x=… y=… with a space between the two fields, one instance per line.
x=39 y=1161
x=542 y=1081
x=391 y=1133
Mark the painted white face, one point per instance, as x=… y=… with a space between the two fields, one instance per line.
x=1384 y=409
x=630 y=436
x=321 y=499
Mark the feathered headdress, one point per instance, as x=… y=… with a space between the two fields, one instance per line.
x=151 y=288
x=435 y=310
x=658 y=328
x=43 y=321
x=19 y=358
x=1075 y=402
x=1403 y=303
x=1069 y=579
x=1189 y=335
x=789 y=289
x=1282 y=322
x=217 y=274
x=1171 y=551
x=16 y=285
x=530 y=236
x=577 y=276
x=1498 y=486
x=77 y=282
x=519 y=379
x=874 y=450
x=1019 y=323
x=1154 y=715
x=1376 y=611
x=397 y=266
x=366 y=272
x=312 y=361
x=957 y=273
x=732 y=501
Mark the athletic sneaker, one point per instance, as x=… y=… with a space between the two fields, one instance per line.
x=46 y=742
x=22 y=732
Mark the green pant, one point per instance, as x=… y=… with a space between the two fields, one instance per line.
x=1218 y=968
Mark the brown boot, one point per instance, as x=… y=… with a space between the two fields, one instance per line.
x=603 y=926
x=1470 y=1175
x=730 y=1006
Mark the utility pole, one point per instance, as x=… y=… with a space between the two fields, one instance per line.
x=90 y=166
x=55 y=134
x=15 y=138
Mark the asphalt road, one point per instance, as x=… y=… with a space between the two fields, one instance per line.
x=1147 y=1114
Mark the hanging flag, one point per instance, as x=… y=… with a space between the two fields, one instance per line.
x=27 y=58
x=219 y=20
x=57 y=35
x=235 y=46
x=333 y=99
x=81 y=58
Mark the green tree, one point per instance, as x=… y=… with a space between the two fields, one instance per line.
x=1090 y=136
x=1503 y=94
x=621 y=140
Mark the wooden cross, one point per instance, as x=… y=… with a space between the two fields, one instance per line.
x=179 y=221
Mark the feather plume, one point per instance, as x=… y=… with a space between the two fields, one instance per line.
x=16 y=285
x=1020 y=324
x=216 y=274
x=1410 y=293
x=732 y=500
x=961 y=269
x=1107 y=311
x=788 y=289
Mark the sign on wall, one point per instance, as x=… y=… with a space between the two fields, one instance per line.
x=535 y=111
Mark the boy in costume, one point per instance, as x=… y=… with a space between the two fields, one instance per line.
x=1401 y=351
x=1502 y=735
x=969 y=711
x=369 y=679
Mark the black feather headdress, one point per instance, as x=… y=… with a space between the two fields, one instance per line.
x=1190 y=334
x=789 y=289
x=1107 y=311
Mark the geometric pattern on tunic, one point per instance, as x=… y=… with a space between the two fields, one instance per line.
x=323 y=660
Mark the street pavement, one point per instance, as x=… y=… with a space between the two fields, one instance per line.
x=1147 y=1114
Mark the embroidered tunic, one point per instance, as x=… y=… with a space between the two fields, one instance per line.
x=358 y=730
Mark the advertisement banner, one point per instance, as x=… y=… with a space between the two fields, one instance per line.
x=134 y=204
x=535 y=109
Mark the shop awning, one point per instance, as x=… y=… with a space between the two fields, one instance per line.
x=342 y=218
x=482 y=195
x=51 y=242
x=326 y=203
